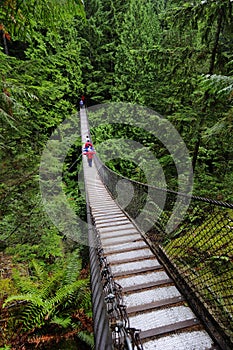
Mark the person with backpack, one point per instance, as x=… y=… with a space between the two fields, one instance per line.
x=81 y=104
x=87 y=145
x=90 y=154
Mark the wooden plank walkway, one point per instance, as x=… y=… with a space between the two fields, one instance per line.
x=154 y=304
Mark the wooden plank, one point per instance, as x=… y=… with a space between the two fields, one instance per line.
x=137 y=287
x=154 y=305
x=163 y=330
x=137 y=271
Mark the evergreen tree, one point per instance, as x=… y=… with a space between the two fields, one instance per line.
x=135 y=69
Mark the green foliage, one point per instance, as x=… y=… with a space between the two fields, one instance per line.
x=47 y=247
x=86 y=338
x=20 y=17
x=47 y=299
x=37 y=94
x=203 y=255
x=6 y=287
x=172 y=56
x=39 y=87
x=134 y=70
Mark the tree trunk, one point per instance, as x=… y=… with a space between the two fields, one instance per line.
x=216 y=41
x=206 y=96
x=196 y=149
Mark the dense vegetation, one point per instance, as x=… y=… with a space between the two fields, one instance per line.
x=173 y=56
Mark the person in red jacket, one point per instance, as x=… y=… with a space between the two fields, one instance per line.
x=87 y=145
x=90 y=154
x=82 y=102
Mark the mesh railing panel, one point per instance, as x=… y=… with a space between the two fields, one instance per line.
x=195 y=234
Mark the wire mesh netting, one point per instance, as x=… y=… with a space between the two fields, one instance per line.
x=195 y=234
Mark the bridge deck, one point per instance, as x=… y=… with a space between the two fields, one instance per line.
x=154 y=304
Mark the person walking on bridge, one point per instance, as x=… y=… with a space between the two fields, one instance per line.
x=90 y=154
x=87 y=145
x=81 y=104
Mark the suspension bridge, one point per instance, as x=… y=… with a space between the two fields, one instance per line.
x=149 y=293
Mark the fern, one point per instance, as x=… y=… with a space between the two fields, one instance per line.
x=220 y=84
x=51 y=285
x=73 y=268
x=48 y=299
x=30 y=313
x=86 y=338
x=37 y=310
x=40 y=274
x=62 y=322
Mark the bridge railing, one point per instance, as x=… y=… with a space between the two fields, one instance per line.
x=102 y=333
x=193 y=237
x=110 y=320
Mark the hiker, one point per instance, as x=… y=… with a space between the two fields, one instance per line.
x=90 y=154
x=81 y=104
x=87 y=145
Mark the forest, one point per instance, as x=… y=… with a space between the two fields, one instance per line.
x=172 y=56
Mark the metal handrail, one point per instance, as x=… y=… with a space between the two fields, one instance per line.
x=102 y=334
x=123 y=335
